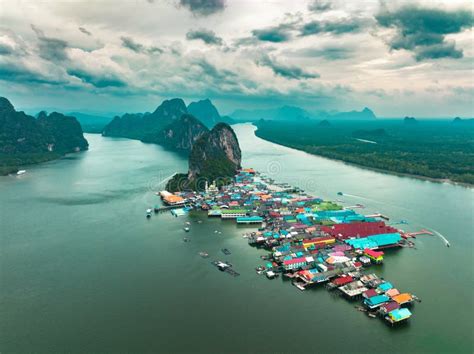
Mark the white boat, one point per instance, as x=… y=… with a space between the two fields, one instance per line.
x=148 y=213
x=186 y=229
x=21 y=172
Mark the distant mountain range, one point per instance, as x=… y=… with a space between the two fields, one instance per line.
x=25 y=139
x=295 y=113
x=172 y=124
x=91 y=123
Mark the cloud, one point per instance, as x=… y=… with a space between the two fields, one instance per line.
x=286 y=71
x=19 y=72
x=319 y=6
x=423 y=30
x=203 y=7
x=436 y=51
x=130 y=43
x=5 y=49
x=207 y=36
x=334 y=27
x=329 y=53
x=51 y=49
x=275 y=34
x=85 y=31
x=100 y=80
x=212 y=71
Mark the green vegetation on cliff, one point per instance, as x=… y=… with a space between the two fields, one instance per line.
x=432 y=149
x=215 y=156
x=26 y=140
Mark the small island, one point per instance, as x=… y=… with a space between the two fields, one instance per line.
x=214 y=158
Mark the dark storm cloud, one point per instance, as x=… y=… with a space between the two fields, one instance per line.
x=16 y=72
x=275 y=34
x=207 y=36
x=286 y=71
x=319 y=6
x=101 y=80
x=436 y=51
x=334 y=27
x=423 y=30
x=203 y=7
x=130 y=43
x=52 y=49
x=85 y=31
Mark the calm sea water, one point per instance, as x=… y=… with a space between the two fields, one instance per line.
x=83 y=270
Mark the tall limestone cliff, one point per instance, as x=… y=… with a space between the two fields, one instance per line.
x=27 y=140
x=180 y=134
x=216 y=156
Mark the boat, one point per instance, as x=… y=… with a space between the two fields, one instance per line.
x=340 y=193
x=271 y=274
x=186 y=229
x=185 y=239
x=148 y=213
x=204 y=254
x=21 y=172
x=226 y=251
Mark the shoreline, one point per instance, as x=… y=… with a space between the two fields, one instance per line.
x=375 y=169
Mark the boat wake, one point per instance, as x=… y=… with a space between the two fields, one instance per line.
x=446 y=242
x=167 y=178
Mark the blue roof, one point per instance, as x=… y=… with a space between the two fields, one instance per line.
x=376 y=300
x=374 y=241
x=400 y=314
x=249 y=218
x=385 y=286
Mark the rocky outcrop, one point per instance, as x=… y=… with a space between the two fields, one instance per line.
x=216 y=156
x=180 y=135
x=26 y=140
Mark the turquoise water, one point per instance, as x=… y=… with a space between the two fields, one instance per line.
x=82 y=269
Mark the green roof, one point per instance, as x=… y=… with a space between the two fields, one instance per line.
x=234 y=211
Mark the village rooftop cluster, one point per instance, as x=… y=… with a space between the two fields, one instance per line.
x=312 y=241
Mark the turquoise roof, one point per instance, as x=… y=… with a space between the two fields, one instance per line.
x=376 y=300
x=400 y=314
x=385 y=286
x=374 y=241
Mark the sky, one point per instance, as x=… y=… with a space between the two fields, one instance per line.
x=396 y=57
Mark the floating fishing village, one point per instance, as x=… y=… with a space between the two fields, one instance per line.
x=311 y=241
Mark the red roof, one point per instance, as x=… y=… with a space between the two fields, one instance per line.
x=373 y=253
x=370 y=293
x=295 y=260
x=361 y=229
x=346 y=279
x=390 y=306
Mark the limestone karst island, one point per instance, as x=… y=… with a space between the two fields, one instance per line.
x=236 y=176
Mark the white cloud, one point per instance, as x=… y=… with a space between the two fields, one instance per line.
x=98 y=66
